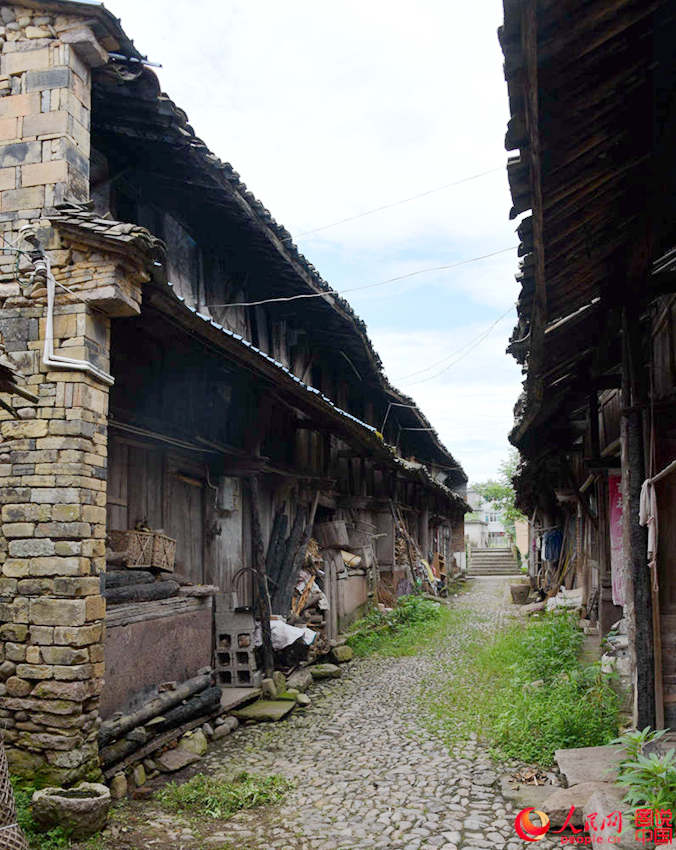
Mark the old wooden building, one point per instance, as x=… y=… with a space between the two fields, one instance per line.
x=184 y=392
x=591 y=93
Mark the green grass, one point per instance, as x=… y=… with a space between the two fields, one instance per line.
x=216 y=798
x=55 y=839
x=411 y=627
x=526 y=693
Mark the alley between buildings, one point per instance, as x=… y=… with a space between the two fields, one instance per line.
x=366 y=772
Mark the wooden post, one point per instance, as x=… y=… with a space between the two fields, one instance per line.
x=259 y=566
x=633 y=475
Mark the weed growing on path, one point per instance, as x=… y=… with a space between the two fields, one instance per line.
x=55 y=839
x=412 y=626
x=526 y=693
x=207 y=795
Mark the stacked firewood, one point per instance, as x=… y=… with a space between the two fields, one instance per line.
x=124 y=584
x=158 y=722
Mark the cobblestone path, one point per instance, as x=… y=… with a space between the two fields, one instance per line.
x=366 y=772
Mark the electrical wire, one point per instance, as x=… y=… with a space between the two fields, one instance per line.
x=474 y=343
x=402 y=201
x=330 y=292
x=457 y=351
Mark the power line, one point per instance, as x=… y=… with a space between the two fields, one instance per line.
x=457 y=351
x=330 y=292
x=472 y=345
x=402 y=201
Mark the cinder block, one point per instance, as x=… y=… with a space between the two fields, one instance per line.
x=19 y=104
x=40 y=173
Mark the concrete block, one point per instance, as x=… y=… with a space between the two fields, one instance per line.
x=45 y=124
x=19 y=104
x=39 y=173
x=8 y=181
x=9 y=128
x=25 y=60
x=52 y=78
x=19 y=153
x=22 y=199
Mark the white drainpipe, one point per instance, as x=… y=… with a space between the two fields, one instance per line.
x=55 y=361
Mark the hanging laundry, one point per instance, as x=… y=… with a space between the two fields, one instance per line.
x=553 y=544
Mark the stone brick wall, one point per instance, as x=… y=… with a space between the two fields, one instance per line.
x=53 y=457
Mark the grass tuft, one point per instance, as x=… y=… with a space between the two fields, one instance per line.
x=526 y=693
x=411 y=627
x=216 y=798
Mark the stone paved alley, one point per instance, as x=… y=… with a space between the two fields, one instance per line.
x=365 y=770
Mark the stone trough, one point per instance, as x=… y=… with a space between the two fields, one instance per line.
x=81 y=811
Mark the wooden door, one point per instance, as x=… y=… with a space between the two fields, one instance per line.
x=666 y=506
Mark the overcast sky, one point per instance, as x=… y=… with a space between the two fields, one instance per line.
x=328 y=109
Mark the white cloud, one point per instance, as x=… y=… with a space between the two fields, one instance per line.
x=330 y=108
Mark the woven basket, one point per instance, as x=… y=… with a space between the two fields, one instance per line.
x=145 y=549
x=11 y=837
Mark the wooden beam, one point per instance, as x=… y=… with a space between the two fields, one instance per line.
x=633 y=475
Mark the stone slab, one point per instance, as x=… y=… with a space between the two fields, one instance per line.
x=234 y=697
x=526 y=795
x=265 y=710
x=176 y=759
x=589 y=764
x=559 y=803
x=325 y=671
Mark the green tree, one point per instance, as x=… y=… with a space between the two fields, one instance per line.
x=499 y=492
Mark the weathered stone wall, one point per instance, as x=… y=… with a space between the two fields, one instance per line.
x=53 y=457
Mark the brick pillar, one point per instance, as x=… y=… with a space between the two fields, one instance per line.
x=53 y=458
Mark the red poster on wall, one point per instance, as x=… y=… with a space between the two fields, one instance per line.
x=616 y=541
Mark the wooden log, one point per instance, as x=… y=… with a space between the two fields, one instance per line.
x=122 y=578
x=633 y=474
x=293 y=541
x=157 y=743
x=112 y=729
x=118 y=559
x=259 y=566
x=286 y=589
x=141 y=592
x=276 y=545
x=204 y=703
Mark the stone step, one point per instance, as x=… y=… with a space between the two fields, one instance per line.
x=493 y=564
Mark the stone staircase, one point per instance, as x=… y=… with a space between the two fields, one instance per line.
x=493 y=562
